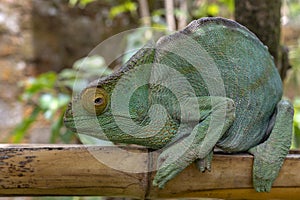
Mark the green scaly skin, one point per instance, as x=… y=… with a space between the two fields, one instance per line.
x=235 y=103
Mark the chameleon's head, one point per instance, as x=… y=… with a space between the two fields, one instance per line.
x=106 y=107
x=109 y=107
x=89 y=112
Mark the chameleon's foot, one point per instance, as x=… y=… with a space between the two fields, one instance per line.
x=263 y=185
x=170 y=164
x=205 y=163
x=269 y=156
x=164 y=175
x=265 y=173
x=199 y=143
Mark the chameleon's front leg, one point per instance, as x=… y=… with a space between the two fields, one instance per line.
x=199 y=143
x=269 y=156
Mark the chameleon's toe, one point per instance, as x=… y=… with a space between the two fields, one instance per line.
x=165 y=174
x=168 y=167
x=205 y=163
x=261 y=185
x=265 y=169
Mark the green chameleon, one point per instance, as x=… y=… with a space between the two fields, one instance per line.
x=213 y=84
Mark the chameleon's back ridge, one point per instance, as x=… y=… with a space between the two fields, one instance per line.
x=211 y=84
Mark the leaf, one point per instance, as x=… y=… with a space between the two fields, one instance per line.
x=41 y=83
x=67 y=74
x=296 y=130
x=73 y=2
x=128 y=6
x=55 y=129
x=213 y=10
x=229 y=4
x=81 y=3
x=91 y=66
x=50 y=103
x=19 y=132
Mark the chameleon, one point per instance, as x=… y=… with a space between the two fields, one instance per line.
x=212 y=84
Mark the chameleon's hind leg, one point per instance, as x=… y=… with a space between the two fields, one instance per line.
x=269 y=156
x=200 y=142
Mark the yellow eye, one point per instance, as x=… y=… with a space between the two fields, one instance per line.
x=94 y=100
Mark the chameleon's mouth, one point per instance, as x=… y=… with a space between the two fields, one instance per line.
x=92 y=125
x=69 y=124
x=80 y=126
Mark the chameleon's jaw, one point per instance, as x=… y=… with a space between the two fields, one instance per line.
x=80 y=126
x=79 y=121
x=74 y=123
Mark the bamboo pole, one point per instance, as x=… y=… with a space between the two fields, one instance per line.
x=34 y=170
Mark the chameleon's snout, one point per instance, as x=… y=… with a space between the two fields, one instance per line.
x=69 y=112
x=68 y=118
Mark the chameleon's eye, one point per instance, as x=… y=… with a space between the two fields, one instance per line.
x=94 y=100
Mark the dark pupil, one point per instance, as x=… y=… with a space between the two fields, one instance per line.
x=98 y=101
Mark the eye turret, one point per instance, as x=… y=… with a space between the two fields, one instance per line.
x=94 y=100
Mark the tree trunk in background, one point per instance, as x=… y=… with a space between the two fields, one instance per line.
x=169 y=7
x=263 y=18
x=144 y=12
x=182 y=19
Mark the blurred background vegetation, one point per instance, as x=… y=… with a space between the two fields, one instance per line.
x=47 y=85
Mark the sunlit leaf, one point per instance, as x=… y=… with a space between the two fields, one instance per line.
x=83 y=3
x=80 y=3
x=73 y=2
x=229 y=4
x=19 y=132
x=213 y=10
x=128 y=6
x=296 y=130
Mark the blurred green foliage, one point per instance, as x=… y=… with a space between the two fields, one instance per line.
x=196 y=9
x=80 y=3
x=122 y=7
x=294 y=8
x=296 y=138
x=41 y=93
x=49 y=94
x=127 y=6
x=213 y=8
x=295 y=78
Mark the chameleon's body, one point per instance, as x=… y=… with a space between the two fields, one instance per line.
x=228 y=94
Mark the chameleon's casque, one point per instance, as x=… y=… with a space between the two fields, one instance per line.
x=212 y=84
